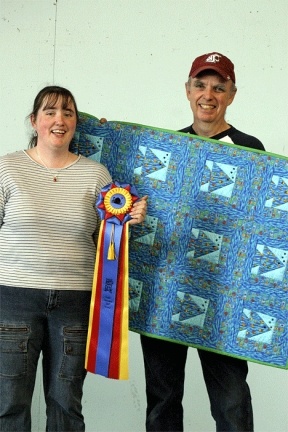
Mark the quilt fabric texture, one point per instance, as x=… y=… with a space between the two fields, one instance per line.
x=208 y=268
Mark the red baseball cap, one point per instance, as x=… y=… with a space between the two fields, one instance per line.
x=214 y=61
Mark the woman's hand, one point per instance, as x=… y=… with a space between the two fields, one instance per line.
x=138 y=211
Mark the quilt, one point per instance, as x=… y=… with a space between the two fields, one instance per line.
x=209 y=266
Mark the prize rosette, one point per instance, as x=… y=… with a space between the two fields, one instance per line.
x=107 y=341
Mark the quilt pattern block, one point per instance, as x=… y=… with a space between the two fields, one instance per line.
x=209 y=266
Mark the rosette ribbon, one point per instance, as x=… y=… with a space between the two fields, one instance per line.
x=107 y=340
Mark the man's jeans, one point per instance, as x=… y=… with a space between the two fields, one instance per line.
x=225 y=379
x=54 y=322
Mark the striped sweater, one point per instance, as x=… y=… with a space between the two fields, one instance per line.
x=48 y=229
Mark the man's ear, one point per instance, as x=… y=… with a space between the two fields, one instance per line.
x=233 y=94
x=187 y=88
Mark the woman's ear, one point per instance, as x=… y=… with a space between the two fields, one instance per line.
x=32 y=120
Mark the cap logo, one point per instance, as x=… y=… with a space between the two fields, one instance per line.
x=213 y=58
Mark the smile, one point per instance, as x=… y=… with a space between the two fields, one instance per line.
x=58 y=131
x=207 y=107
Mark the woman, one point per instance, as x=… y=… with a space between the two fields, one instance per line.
x=48 y=229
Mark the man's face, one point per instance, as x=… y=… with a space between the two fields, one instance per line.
x=209 y=96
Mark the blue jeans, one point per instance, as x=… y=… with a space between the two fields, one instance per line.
x=54 y=323
x=225 y=379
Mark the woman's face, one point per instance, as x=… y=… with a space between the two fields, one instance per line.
x=55 y=125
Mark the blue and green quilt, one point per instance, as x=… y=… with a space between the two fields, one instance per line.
x=209 y=266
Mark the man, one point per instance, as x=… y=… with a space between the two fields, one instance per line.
x=210 y=90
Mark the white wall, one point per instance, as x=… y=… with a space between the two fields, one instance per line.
x=128 y=60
